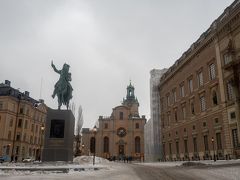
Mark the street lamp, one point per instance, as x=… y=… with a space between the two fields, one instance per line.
x=42 y=132
x=214 y=156
x=94 y=151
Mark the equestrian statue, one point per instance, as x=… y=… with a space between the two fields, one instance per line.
x=63 y=88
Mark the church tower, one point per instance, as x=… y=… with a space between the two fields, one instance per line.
x=131 y=101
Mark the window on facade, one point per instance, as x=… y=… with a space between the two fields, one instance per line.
x=190 y=85
x=36 y=129
x=23 y=151
x=204 y=124
x=212 y=71
x=214 y=98
x=227 y=58
x=121 y=115
x=8 y=150
x=232 y=115
x=229 y=91
x=174 y=93
x=177 y=147
x=216 y=120
x=92 y=145
x=19 y=123
x=219 y=141
x=184 y=112
x=235 y=138
x=11 y=122
x=137 y=145
x=31 y=139
x=205 y=140
x=202 y=103
x=105 y=125
x=164 y=149
x=32 y=128
x=1 y=105
x=195 y=144
x=175 y=115
x=9 y=135
x=26 y=124
x=27 y=112
x=185 y=145
x=21 y=110
x=168 y=100
x=192 y=108
x=106 y=145
x=30 y=151
x=200 y=79
x=193 y=127
x=17 y=150
x=168 y=119
x=170 y=148
x=163 y=122
x=182 y=93
x=137 y=126
x=24 y=137
x=18 y=137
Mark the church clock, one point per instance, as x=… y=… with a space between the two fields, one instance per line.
x=121 y=132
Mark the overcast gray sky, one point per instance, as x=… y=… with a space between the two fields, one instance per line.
x=106 y=43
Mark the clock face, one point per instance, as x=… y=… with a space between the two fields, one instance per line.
x=121 y=132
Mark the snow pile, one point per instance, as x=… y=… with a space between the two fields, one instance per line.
x=89 y=160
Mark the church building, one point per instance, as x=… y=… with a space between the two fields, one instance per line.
x=121 y=134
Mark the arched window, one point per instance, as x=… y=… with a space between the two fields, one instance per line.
x=137 y=125
x=106 y=145
x=92 y=145
x=137 y=144
x=214 y=98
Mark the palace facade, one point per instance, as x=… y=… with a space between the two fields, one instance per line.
x=121 y=134
x=199 y=95
x=22 y=122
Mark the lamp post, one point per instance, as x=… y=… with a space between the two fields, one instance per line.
x=42 y=132
x=214 y=156
x=94 y=152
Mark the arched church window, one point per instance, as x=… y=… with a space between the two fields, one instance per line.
x=121 y=115
x=106 y=145
x=137 y=144
x=137 y=125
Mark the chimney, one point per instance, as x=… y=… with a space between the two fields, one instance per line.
x=8 y=83
x=26 y=93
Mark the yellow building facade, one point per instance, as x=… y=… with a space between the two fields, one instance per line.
x=22 y=122
x=119 y=135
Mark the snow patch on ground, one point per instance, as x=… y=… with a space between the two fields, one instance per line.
x=89 y=159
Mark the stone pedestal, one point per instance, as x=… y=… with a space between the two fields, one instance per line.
x=59 y=136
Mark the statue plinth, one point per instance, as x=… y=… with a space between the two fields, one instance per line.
x=59 y=136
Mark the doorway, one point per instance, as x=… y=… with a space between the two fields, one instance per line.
x=121 y=150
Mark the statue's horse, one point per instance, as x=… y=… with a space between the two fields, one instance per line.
x=64 y=97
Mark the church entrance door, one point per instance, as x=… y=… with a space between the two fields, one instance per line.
x=121 y=150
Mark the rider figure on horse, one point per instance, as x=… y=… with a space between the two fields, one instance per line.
x=63 y=88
